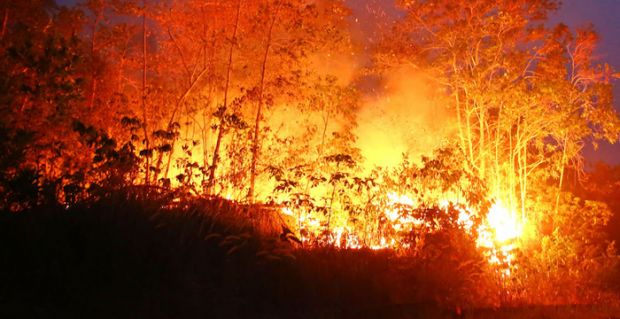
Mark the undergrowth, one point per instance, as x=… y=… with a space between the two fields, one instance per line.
x=127 y=256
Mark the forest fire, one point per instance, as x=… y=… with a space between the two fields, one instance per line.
x=499 y=234
x=422 y=152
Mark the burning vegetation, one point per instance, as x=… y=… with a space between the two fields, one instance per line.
x=440 y=138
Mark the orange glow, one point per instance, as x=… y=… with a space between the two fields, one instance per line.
x=498 y=235
x=504 y=224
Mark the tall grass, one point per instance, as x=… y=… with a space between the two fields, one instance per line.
x=126 y=256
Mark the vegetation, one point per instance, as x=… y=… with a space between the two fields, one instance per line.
x=130 y=256
x=201 y=159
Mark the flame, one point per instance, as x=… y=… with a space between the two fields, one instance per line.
x=498 y=235
x=504 y=223
x=392 y=211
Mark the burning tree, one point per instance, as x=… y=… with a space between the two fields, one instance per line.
x=526 y=97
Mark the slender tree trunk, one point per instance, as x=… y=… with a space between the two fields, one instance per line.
x=178 y=105
x=325 y=124
x=93 y=90
x=192 y=82
x=457 y=101
x=521 y=149
x=523 y=141
x=207 y=115
x=497 y=144
x=93 y=41
x=121 y=67
x=256 y=142
x=5 y=21
x=517 y=148
x=470 y=145
x=207 y=64
x=221 y=128
x=204 y=134
x=331 y=200
x=562 y=164
x=521 y=170
x=525 y=173
x=144 y=111
x=511 y=171
x=481 y=143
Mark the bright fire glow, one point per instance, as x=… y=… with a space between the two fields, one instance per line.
x=498 y=234
x=504 y=223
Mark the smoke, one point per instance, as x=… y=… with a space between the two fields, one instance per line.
x=403 y=118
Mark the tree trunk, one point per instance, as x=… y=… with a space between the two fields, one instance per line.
x=517 y=149
x=5 y=21
x=325 y=124
x=562 y=164
x=524 y=194
x=457 y=102
x=121 y=67
x=220 y=129
x=261 y=87
x=93 y=40
x=470 y=145
x=497 y=178
x=481 y=143
x=144 y=113
x=511 y=171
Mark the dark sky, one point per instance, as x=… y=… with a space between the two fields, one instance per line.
x=604 y=14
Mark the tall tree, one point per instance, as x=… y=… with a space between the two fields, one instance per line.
x=223 y=109
x=294 y=31
x=508 y=81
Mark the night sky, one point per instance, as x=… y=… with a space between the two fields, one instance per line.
x=602 y=13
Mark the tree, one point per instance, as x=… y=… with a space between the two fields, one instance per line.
x=525 y=96
x=40 y=91
x=295 y=30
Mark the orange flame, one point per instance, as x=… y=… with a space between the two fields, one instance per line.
x=498 y=235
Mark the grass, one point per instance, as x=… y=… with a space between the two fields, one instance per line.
x=132 y=258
